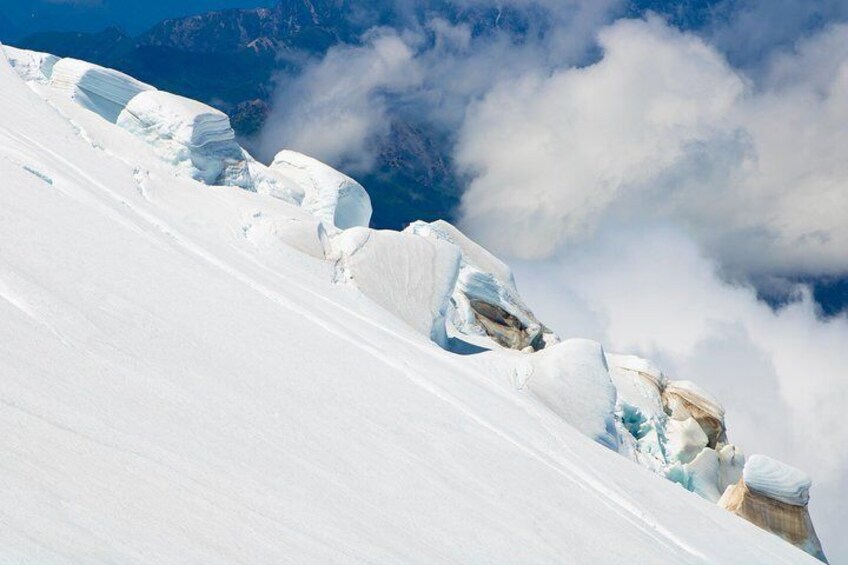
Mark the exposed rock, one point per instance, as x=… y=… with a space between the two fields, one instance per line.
x=287 y=24
x=248 y=116
x=789 y=521
x=684 y=399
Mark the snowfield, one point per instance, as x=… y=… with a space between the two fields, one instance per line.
x=190 y=374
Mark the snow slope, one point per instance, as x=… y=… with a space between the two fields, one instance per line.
x=184 y=380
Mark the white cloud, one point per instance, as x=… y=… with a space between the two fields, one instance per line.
x=554 y=152
x=335 y=109
x=338 y=109
x=662 y=127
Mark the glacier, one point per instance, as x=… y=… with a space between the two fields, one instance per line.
x=234 y=368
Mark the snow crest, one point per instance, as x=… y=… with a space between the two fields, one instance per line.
x=31 y=65
x=338 y=200
x=101 y=90
x=572 y=379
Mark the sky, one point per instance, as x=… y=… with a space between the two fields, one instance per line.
x=647 y=175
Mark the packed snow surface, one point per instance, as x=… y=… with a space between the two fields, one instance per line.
x=777 y=480
x=187 y=379
x=572 y=379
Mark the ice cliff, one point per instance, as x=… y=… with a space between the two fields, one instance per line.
x=485 y=301
x=263 y=343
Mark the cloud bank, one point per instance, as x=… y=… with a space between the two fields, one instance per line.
x=340 y=107
x=663 y=128
x=337 y=106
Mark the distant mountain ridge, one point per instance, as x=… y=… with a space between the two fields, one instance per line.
x=301 y=24
x=109 y=44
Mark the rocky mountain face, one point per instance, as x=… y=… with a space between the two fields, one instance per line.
x=108 y=45
x=298 y=24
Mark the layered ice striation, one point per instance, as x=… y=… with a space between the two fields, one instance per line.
x=103 y=91
x=197 y=139
x=199 y=142
x=336 y=199
x=486 y=301
x=777 y=480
